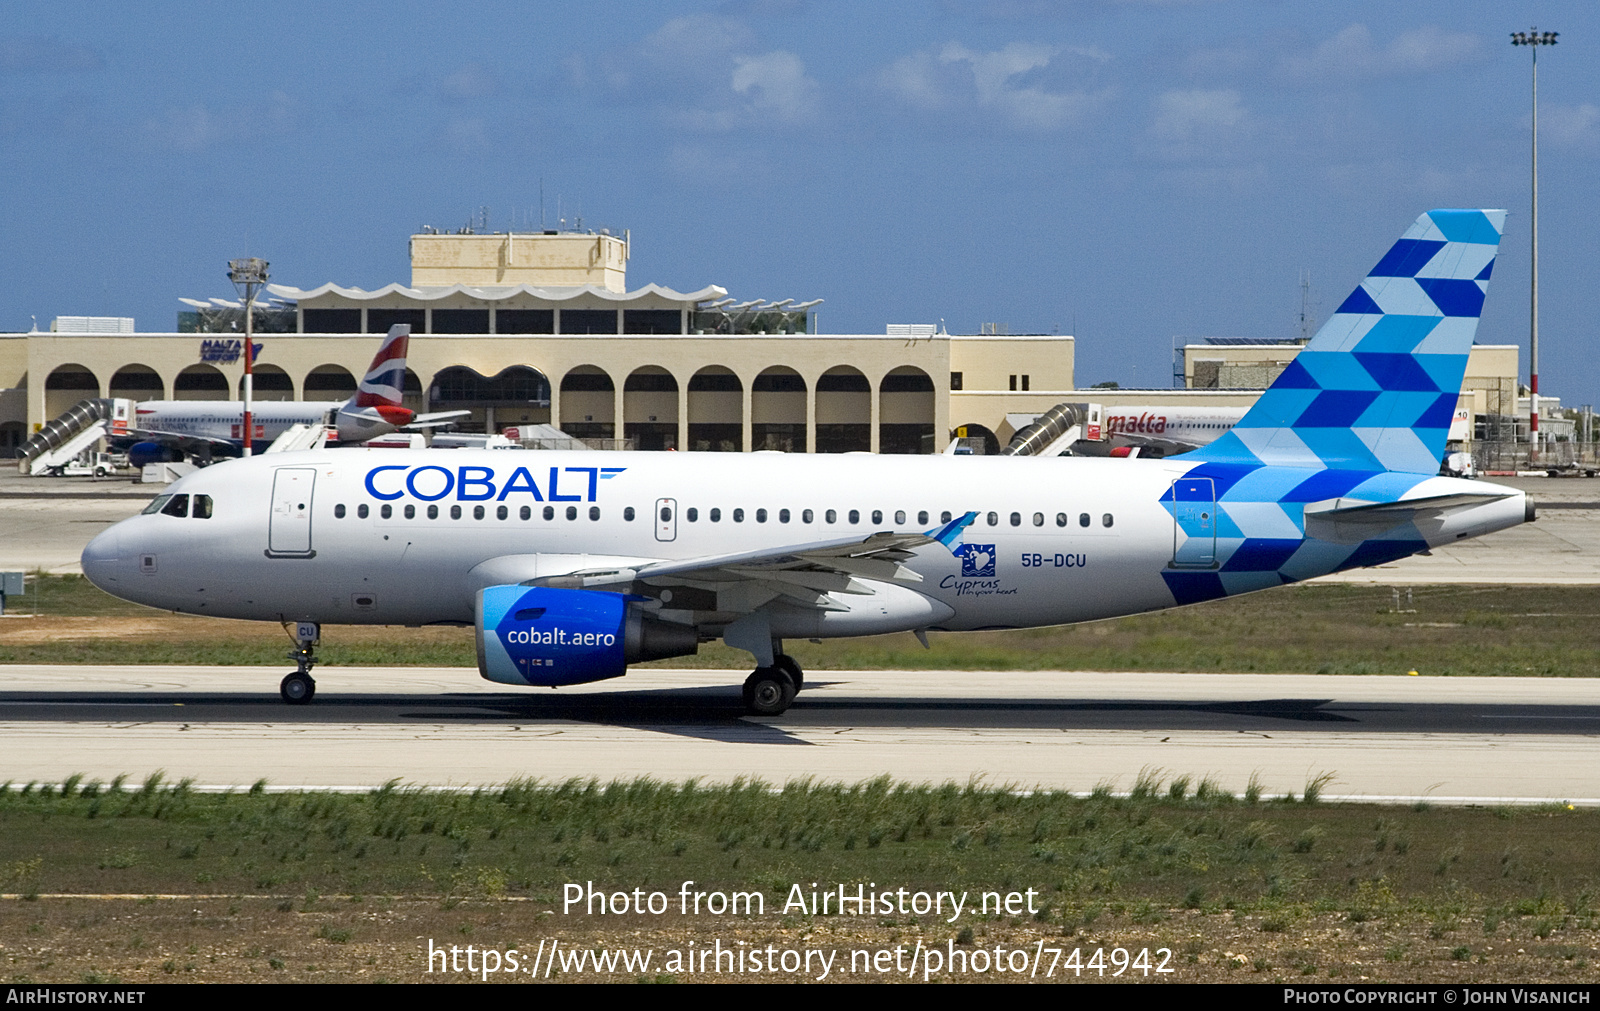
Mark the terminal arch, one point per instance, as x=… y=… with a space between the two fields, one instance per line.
x=330 y=382
x=905 y=411
x=200 y=382
x=66 y=385
x=268 y=382
x=12 y=435
x=650 y=408
x=844 y=411
x=588 y=403
x=137 y=382
x=978 y=438
x=778 y=410
x=716 y=410
x=516 y=394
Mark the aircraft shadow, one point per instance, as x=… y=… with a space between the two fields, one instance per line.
x=715 y=713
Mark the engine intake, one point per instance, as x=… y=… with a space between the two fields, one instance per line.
x=540 y=635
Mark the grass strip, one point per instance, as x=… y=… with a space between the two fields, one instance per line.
x=1541 y=631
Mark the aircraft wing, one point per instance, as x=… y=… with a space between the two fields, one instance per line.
x=184 y=443
x=433 y=420
x=1169 y=447
x=803 y=574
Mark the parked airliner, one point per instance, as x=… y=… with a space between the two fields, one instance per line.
x=201 y=425
x=571 y=565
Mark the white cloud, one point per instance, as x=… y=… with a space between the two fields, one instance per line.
x=776 y=83
x=1569 y=126
x=193 y=128
x=1199 y=123
x=1000 y=82
x=472 y=81
x=707 y=74
x=1354 y=53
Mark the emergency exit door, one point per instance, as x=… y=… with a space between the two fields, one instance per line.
x=666 y=519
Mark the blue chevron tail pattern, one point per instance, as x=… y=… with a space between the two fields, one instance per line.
x=1375 y=389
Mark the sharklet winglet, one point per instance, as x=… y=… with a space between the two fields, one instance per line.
x=950 y=534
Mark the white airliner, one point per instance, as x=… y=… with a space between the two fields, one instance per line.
x=202 y=424
x=572 y=565
x=1171 y=430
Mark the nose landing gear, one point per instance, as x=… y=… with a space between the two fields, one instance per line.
x=298 y=688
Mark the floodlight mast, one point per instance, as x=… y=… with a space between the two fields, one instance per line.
x=1533 y=39
x=248 y=275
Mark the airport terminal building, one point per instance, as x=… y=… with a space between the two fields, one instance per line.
x=540 y=328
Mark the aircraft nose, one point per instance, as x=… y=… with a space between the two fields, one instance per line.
x=100 y=557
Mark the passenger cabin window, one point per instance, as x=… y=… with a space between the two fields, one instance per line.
x=202 y=507
x=944 y=517
x=594 y=512
x=411 y=512
x=501 y=513
x=433 y=512
x=899 y=516
x=572 y=512
x=761 y=515
x=1106 y=520
x=693 y=515
x=831 y=516
x=738 y=515
x=338 y=511
x=716 y=515
x=1083 y=519
x=1016 y=519
x=855 y=516
x=922 y=517
x=877 y=516
x=806 y=516
x=455 y=512
x=994 y=519
x=526 y=513
x=362 y=511
x=1038 y=519
x=477 y=512
x=549 y=512
x=628 y=513
x=1061 y=519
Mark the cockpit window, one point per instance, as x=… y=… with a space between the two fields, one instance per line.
x=155 y=505
x=202 y=507
x=177 y=506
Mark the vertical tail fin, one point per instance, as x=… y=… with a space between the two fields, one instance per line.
x=385 y=381
x=1376 y=388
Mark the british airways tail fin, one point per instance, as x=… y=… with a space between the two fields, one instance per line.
x=1376 y=388
x=385 y=381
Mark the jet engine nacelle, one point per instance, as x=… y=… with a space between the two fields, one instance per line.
x=538 y=635
x=143 y=453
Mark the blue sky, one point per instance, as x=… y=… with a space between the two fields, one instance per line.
x=1127 y=171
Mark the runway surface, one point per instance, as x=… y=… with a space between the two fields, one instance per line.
x=1451 y=740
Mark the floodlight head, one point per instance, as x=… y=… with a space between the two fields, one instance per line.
x=249 y=270
x=1534 y=37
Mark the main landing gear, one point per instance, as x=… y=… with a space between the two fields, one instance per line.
x=768 y=691
x=298 y=688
